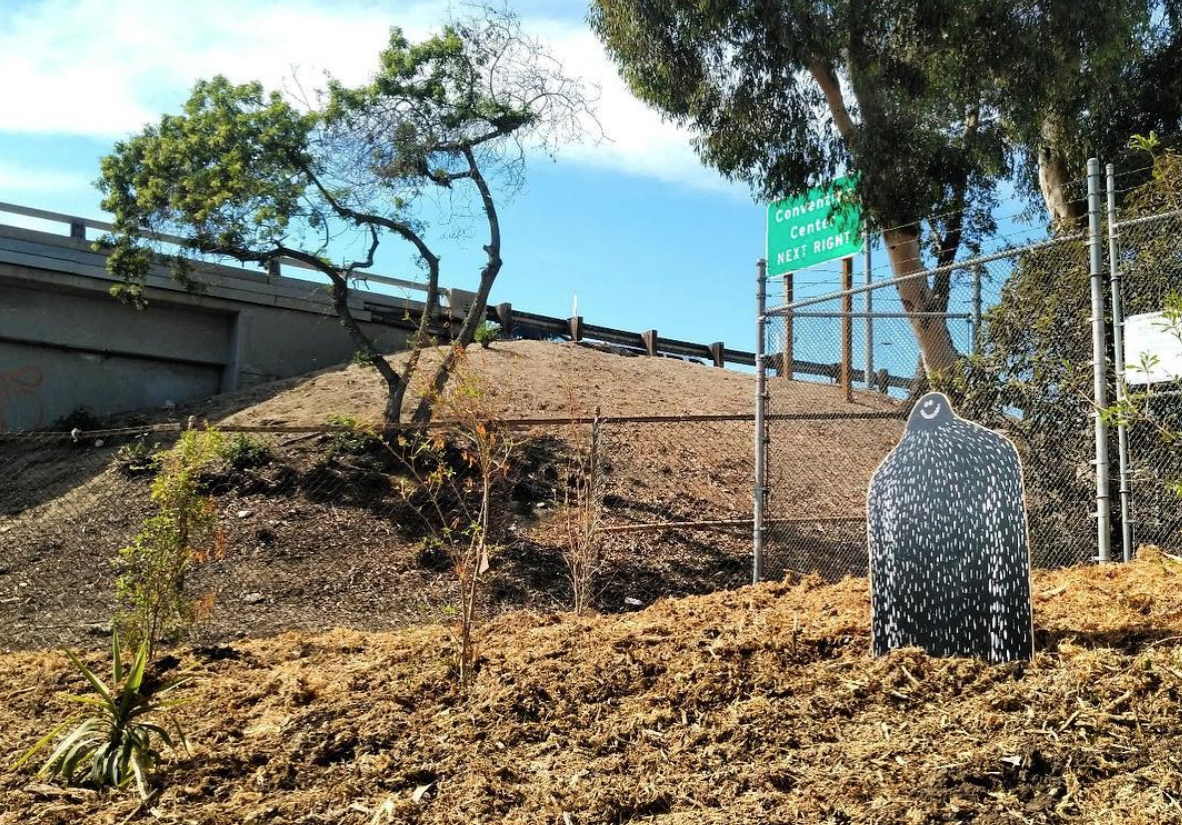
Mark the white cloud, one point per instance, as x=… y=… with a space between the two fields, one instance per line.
x=104 y=68
x=638 y=140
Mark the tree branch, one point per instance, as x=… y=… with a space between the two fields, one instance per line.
x=826 y=78
x=373 y=248
x=476 y=313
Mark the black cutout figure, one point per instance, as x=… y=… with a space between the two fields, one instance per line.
x=949 y=556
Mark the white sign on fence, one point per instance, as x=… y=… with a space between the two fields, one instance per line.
x=1153 y=349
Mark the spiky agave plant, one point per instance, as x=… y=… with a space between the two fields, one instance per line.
x=114 y=743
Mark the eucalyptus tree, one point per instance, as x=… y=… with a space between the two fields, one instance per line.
x=1088 y=76
x=930 y=104
x=254 y=176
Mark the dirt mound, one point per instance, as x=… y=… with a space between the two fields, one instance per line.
x=315 y=542
x=535 y=379
x=759 y=705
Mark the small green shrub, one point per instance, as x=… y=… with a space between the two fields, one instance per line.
x=486 y=333
x=137 y=458
x=245 y=452
x=350 y=437
x=183 y=532
x=112 y=744
x=360 y=358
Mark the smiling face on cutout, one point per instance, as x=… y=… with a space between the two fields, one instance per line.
x=930 y=412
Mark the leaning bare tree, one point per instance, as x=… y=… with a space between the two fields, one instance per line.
x=259 y=177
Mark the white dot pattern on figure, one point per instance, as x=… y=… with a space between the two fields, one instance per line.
x=949 y=555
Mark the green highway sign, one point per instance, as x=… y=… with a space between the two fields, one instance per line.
x=811 y=229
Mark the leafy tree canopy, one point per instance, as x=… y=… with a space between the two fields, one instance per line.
x=258 y=177
x=931 y=104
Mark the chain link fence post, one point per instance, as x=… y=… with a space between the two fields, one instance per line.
x=868 y=279
x=1118 y=323
x=975 y=310
x=1099 y=364
x=760 y=489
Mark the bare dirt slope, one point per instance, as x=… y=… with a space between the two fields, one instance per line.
x=535 y=379
x=759 y=705
x=316 y=541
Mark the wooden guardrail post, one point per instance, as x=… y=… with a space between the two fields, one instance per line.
x=847 y=329
x=576 y=328
x=505 y=319
x=786 y=362
x=716 y=354
x=649 y=339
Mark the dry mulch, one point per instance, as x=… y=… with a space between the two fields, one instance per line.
x=758 y=705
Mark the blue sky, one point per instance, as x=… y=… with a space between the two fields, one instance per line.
x=635 y=226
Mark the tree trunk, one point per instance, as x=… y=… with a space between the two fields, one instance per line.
x=935 y=343
x=931 y=333
x=476 y=314
x=478 y=310
x=1053 y=178
x=395 y=386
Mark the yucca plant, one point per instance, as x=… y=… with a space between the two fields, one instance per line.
x=114 y=743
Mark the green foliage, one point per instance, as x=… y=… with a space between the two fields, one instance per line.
x=361 y=358
x=251 y=176
x=349 y=436
x=1149 y=143
x=487 y=333
x=114 y=742
x=448 y=89
x=245 y=452
x=137 y=458
x=943 y=98
x=743 y=76
x=229 y=170
x=182 y=532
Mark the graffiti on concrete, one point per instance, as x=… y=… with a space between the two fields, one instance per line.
x=20 y=398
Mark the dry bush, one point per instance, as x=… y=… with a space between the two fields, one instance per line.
x=455 y=470
x=583 y=511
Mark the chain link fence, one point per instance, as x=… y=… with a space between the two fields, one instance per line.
x=843 y=369
x=317 y=533
x=1147 y=257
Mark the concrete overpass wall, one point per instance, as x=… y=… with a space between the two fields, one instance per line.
x=66 y=344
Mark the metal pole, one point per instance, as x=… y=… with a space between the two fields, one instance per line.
x=1118 y=334
x=1099 y=363
x=976 y=310
x=847 y=330
x=760 y=490
x=787 y=353
x=868 y=278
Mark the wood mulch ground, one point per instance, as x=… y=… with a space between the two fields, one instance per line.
x=757 y=705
